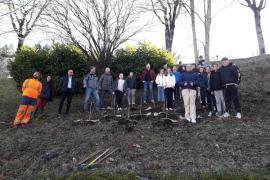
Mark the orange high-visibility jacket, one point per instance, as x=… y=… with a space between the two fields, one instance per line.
x=31 y=88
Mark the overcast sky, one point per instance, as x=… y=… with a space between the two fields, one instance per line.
x=232 y=34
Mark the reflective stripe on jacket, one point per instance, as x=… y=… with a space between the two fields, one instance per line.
x=31 y=88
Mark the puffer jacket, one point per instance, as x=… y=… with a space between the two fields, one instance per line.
x=169 y=81
x=106 y=82
x=160 y=80
x=203 y=80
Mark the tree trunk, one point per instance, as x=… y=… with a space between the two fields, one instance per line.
x=193 y=25
x=207 y=27
x=169 y=34
x=257 y=16
x=21 y=39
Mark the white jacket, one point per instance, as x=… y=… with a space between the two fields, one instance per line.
x=170 y=81
x=160 y=80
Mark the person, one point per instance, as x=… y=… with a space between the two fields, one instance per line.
x=181 y=67
x=169 y=84
x=106 y=86
x=120 y=89
x=230 y=80
x=160 y=81
x=45 y=96
x=189 y=84
x=148 y=77
x=177 y=76
x=67 y=87
x=201 y=60
x=210 y=98
x=217 y=90
x=90 y=83
x=202 y=80
x=131 y=89
x=165 y=68
x=31 y=89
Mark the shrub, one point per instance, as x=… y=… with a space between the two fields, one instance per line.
x=134 y=58
x=54 y=61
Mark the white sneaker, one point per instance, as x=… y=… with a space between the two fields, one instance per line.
x=226 y=115
x=238 y=116
x=166 y=109
x=171 y=109
x=210 y=114
x=193 y=121
x=188 y=119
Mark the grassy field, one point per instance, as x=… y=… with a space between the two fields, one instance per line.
x=210 y=149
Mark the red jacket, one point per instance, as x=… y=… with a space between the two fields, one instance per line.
x=152 y=75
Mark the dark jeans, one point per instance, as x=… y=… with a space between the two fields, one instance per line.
x=105 y=95
x=176 y=92
x=211 y=101
x=119 y=98
x=68 y=94
x=231 y=95
x=169 y=97
x=203 y=93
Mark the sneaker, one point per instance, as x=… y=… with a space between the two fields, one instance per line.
x=148 y=109
x=210 y=114
x=170 y=109
x=188 y=119
x=166 y=109
x=226 y=115
x=144 y=102
x=238 y=116
x=193 y=121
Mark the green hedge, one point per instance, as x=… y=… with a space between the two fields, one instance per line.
x=134 y=58
x=57 y=59
x=52 y=61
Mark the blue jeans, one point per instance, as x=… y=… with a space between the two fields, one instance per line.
x=146 y=85
x=90 y=92
x=160 y=96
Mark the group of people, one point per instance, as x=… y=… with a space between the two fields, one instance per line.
x=216 y=86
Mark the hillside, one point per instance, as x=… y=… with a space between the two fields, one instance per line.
x=212 y=145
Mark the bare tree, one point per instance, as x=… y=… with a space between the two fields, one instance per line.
x=207 y=27
x=167 y=12
x=25 y=16
x=256 y=8
x=191 y=10
x=97 y=27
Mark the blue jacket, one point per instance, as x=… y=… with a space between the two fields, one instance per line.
x=230 y=75
x=203 y=80
x=188 y=77
x=177 y=76
x=131 y=83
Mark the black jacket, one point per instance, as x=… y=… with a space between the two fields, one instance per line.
x=230 y=75
x=215 y=81
x=63 y=85
x=47 y=91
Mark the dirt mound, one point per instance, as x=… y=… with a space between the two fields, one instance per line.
x=52 y=143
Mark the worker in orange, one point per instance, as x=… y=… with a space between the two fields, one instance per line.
x=30 y=91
